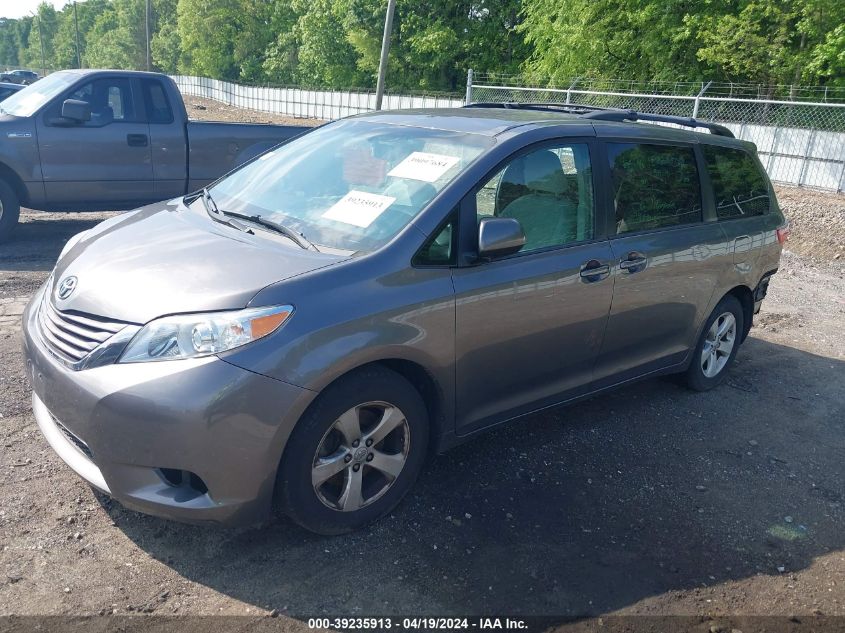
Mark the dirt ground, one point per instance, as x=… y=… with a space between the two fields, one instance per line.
x=651 y=500
x=210 y=110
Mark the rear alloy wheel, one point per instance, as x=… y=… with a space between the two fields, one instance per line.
x=717 y=346
x=9 y=210
x=355 y=453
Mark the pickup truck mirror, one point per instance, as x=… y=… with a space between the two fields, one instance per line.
x=76 y=110
x=499 y=236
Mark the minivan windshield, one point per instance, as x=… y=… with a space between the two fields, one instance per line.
x=350 y=185
x=26 y=102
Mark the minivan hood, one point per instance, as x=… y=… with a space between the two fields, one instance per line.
x=168 y=259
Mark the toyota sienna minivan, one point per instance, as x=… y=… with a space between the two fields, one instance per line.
x=302 y=333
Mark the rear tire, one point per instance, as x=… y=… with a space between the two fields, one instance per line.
x=10 y=210
x=355 y=453
x=717 y=347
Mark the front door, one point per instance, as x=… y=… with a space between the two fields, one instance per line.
x=529 y=326
x=106 y=159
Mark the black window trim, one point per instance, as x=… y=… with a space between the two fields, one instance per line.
x=468 y=230
x=704 y=186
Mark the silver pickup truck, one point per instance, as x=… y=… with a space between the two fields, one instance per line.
x=112 y=139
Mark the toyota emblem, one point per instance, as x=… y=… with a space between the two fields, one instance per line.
x=67 y=287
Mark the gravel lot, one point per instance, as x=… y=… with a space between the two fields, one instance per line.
x=652 y=500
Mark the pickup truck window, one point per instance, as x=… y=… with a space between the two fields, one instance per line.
x=156 y=103
x=350 y=185
x=29 y=100
x=110 y=99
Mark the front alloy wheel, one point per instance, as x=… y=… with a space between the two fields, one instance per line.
x=360 y=456
x=355 y=452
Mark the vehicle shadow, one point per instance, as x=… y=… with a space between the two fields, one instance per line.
x=572 y=512
x=39 y=238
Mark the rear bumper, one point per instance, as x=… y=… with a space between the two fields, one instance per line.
x=122 y=428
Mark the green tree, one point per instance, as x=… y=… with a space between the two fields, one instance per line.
x=118 y=37
x=65 y=41
x=45 y=24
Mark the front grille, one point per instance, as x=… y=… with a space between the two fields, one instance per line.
x=82 y=446
x=73 y=335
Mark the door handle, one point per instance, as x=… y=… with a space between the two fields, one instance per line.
x=594 y=270
x=634 y=263
x=137 y=140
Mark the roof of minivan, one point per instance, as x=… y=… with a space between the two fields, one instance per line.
x=495 y=121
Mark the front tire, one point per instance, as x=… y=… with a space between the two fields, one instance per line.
x=718 y=345
x=10 y=209
x=355 y=453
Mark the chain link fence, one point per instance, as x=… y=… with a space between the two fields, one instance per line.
x=800 y=142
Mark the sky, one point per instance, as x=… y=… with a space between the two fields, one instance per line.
x=20 y=8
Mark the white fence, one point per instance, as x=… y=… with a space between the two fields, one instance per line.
x=302 y=103
x=800 y=143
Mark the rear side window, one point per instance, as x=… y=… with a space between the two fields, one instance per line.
x=739 y=187
x=156 y=103
x=654 y=186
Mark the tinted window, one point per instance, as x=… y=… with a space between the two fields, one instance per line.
x=156 y=103
x=739 y=187
x=654 y=186
x=550 y=192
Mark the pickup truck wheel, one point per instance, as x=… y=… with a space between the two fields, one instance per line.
x=10 y=210
x=717 y=347
x=355 y=453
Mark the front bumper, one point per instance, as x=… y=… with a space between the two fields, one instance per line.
x=122 y=428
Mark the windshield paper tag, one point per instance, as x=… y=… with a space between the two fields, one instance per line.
x=424 y=166
x=358 y=208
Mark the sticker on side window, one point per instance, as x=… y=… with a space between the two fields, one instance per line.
x=358 y=208
x=424 y=166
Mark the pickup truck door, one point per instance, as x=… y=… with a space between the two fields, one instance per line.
x=101 y=163
x=168 y=139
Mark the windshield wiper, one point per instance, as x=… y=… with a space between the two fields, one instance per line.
x=294 y=236
x=228 y=217
x=218 y=216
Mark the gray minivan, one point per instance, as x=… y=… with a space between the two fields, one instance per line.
x=303 y=332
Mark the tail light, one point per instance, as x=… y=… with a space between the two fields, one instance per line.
x=783 y=234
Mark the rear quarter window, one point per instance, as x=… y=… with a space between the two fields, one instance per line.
x=156 y=102
x=739 y=187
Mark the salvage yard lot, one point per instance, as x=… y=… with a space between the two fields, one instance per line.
x=650 y=500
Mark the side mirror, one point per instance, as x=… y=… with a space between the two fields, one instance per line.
x=499 y=236
x=76 y=110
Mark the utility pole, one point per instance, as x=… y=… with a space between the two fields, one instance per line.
x=76 y=26
x=147 y=12
x=385 y=49
x=41 y=42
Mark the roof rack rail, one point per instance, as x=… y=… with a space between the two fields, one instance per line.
x=517 y=105
x=633 y=115
x=609 y=114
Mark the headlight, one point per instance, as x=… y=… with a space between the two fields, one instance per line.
x=194 y=335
